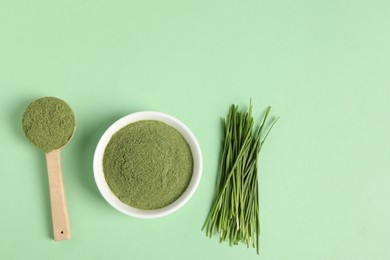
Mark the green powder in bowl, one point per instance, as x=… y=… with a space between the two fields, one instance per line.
x=147 y=164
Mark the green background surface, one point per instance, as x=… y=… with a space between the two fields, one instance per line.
x=322 y=65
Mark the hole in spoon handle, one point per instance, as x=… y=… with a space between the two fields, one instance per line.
x=59 y=211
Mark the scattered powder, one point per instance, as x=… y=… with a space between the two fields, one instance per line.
x=148 y=164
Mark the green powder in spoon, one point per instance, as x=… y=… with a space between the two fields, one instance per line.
x=48 y=123
x=147 y=164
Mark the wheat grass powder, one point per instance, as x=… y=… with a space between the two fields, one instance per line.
x=48 y=123
x=148 y=164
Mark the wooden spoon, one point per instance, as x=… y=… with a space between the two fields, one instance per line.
x=49 y=124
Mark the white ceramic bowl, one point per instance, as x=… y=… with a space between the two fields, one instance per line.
x=101 y=181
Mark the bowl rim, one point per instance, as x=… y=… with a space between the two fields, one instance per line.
x=100 y=180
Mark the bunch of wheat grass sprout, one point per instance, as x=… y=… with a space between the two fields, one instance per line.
x=235 y=212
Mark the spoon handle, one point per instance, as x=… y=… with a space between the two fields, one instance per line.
x=59 y=211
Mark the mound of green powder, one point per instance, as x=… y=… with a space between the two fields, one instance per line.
x=147 y=164
x=48 y=123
